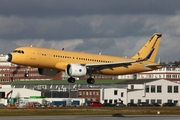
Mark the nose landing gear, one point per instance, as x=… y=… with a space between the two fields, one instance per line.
x=26 y=74
x=71 y=80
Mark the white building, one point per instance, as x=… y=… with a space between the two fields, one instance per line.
x=135 y=91
x=114 y=95
x=169 y=72
x=159 y=91
x=21 y=93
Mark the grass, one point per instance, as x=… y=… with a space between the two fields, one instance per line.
x=64 y=82
x=90 y=111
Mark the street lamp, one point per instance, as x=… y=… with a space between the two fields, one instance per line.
x=51 y=88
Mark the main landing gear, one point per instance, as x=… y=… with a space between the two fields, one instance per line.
x=89 y=80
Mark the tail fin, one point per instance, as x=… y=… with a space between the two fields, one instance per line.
x=151 y=46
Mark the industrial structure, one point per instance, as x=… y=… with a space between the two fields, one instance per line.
x=131 y=91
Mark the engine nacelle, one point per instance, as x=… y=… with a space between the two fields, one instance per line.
x=76 y=70
x=48 y=72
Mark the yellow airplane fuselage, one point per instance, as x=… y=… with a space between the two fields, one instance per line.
x=59 y=59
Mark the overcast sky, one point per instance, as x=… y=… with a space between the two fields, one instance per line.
x=112 y=27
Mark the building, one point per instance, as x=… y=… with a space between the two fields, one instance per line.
x=8 y=93
x=94 y=94
x=168 y=72
x=152 y=91
x=135 y=91
x=130 y=91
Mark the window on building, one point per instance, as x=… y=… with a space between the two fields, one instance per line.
x=153 y=88
x=122 y=94
x=105 y=101
x=115 y=92
x=147 y=88
x=159 y=89
x=169 y=101
x=80 y=93
x=131 y=100
x=2 y=94
x=110 y=101
x=132 y=86
x=159 y=101
x=168 y=76
x=153 y=100
x=169 y=89
x=176 y=89
x=147 y=101
x=115 y=101
x=139 y=100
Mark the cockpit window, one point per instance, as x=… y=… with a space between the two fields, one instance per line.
x=18 y=51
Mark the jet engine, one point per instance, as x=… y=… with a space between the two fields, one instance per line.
x=76 y=70
x=48 y=72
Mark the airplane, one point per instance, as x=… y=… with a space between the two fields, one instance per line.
x=78 y=64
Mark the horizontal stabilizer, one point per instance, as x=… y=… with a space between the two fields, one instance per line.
x=154 y=66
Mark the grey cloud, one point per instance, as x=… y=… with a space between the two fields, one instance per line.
x=73 y=28
x=54 y=8
x=90 y=44
x=111 y=27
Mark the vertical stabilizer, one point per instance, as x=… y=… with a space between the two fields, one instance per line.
x=151 y=47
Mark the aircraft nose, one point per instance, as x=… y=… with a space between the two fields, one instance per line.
x=8 y=57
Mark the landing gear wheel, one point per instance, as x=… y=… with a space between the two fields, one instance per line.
x=26 y=75
x=71 y=80
x=90 y=81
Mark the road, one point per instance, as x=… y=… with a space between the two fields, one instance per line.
x=88 y=117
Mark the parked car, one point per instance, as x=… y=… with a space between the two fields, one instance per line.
x=144 y=104
x=96 y=104
x=155 y=104
x=131 y=104
x=109 y=104
x=168 y=104
x=119 y=104
x=37 y=104
x=2 y=105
